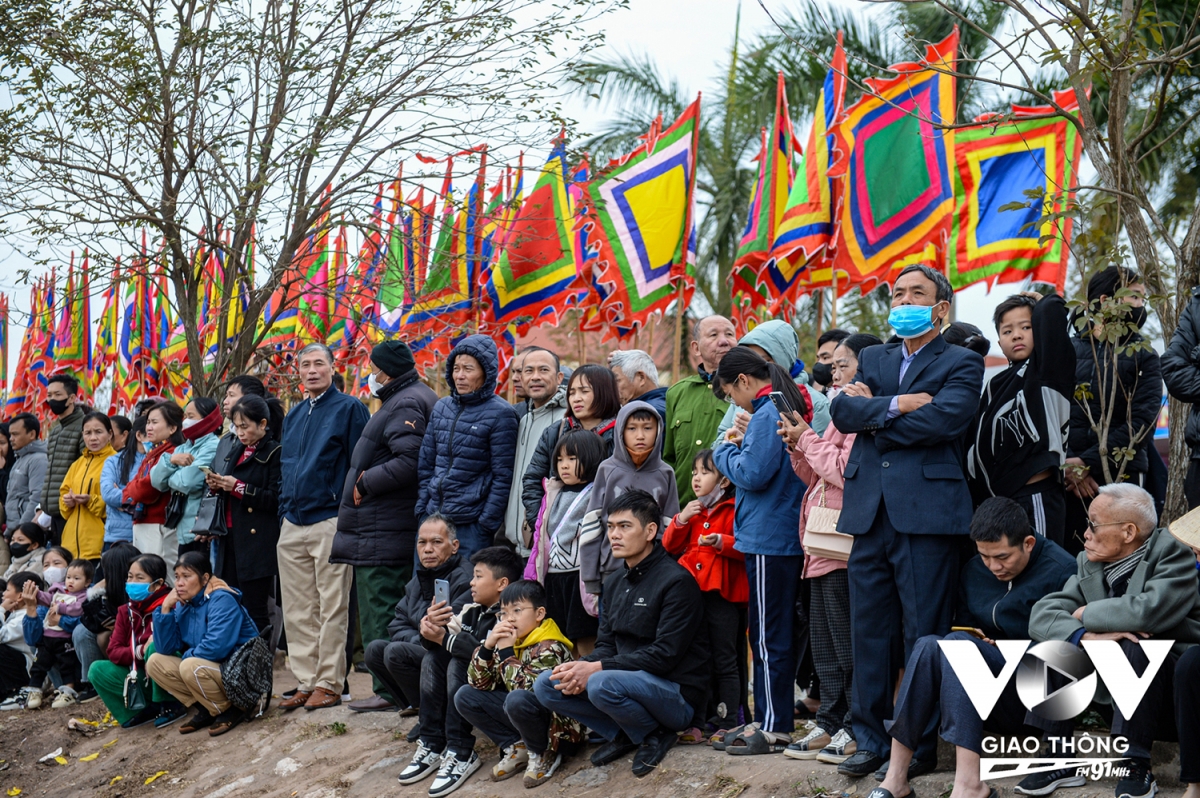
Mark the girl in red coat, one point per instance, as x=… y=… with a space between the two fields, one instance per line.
x=701 y=535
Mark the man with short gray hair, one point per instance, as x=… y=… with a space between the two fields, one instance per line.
x=318 y=436
x=637 y=379
x=1134 y=581
x=546 y=405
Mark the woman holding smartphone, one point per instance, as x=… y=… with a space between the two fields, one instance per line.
x=245 y=556
x=766 y=516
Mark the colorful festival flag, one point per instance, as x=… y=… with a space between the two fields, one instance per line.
x=73 y=335
x=896 y=158
x=108 y=332
x=751 y=293
x=643 y=208
x=535 y=277
x=810 y=216
x=996 y=163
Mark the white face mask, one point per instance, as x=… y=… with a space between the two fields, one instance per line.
x=373 y=384
x=54 y=576
x=190 y=422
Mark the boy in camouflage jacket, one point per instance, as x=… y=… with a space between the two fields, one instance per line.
x=498 y=697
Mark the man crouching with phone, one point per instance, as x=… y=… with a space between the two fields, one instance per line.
x=1015 y=568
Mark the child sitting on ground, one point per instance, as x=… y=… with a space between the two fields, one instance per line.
x=16 y=657
x=62 y=599
x=701 y=536
x=498 y=697
x=554 y=560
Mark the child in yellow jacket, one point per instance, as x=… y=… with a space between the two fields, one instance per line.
x=498 y=697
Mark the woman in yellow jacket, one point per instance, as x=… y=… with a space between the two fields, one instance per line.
x=79 y=498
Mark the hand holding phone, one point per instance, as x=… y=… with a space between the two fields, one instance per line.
x=785 y=409
x=441 y=591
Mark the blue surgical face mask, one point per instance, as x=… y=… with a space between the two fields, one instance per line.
x=138 y=591
x=911 y=321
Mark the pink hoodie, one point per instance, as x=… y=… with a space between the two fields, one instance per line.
x=816 y=458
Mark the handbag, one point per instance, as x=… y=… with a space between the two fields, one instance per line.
x=176 y=507
x=132 y=693
x=210 y=519
x=247 y=675
x=821 y=538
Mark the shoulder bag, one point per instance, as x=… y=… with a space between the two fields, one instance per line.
x=247 y=675
x=210 y=519
x=132 y=693
x=821 y=538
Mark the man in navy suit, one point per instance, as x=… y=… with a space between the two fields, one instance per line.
x=906 y=501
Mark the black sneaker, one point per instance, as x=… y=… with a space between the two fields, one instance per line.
x=169 y=713
x=414 y=733
x=613 y=750
x=1138 y=781
x=863 y=763
x=147 y=715
x=917 y=767
x=1048 y=782
x=86 y=693
x=652 y=751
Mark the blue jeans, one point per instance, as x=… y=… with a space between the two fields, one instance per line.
x=472 y=538
x=85 y=648
x=634 y=702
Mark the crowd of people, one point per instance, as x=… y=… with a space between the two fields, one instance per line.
x=610 y=561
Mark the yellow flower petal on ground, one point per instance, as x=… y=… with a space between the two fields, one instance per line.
x=155 y=776
x=89 y=757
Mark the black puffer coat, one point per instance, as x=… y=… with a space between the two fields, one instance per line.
x=467 y=456
x=1181 y=368
x=1140 y=376
x=382 y=530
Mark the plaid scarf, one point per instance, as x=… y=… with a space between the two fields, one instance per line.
x=1116 y=574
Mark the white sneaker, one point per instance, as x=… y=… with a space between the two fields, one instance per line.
x=33 y=698
x=17 y=701
x=808 y=746
x=841 y=748
x=512 y=759
x=453 y=773
x=541 y=768
x=424 y=763
x=65 y=697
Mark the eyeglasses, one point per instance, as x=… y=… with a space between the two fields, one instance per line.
x=514 y=611
x=1092 y=524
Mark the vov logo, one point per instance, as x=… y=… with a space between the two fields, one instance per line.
x=1033 y=666
x=1050 y=698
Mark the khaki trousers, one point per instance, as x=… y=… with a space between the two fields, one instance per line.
x=316 y=603
x=192 y=680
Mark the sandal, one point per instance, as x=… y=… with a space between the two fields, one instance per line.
x=226 y=721
x=722 y=738
x=692 y=736
x=752 y=741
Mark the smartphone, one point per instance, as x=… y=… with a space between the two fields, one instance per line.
x=441 y=591
x=781 y=404
x=205 y=470
x=969 y=630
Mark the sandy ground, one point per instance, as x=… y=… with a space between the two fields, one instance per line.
x=336 y=753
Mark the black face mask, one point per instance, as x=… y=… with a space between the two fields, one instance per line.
x=18 y=550
x=1138 y=316
x=822 y=373
x=57 y=406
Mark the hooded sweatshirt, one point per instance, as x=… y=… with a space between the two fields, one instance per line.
x=616 y=475
x=780 y=341
x=466 y=462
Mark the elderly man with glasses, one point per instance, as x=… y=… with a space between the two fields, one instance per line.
x=1134 y=582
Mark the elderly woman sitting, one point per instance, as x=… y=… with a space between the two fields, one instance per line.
x=203 y=622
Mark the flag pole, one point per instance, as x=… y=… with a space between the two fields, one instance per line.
x=680 y=316
x=833 y=298
x=820 y=310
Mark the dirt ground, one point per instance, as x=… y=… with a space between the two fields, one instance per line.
x=336 y=753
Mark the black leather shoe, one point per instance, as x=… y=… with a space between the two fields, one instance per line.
x=917 y=767
x=863 y=763
x=652 y=750
x=613 y=750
